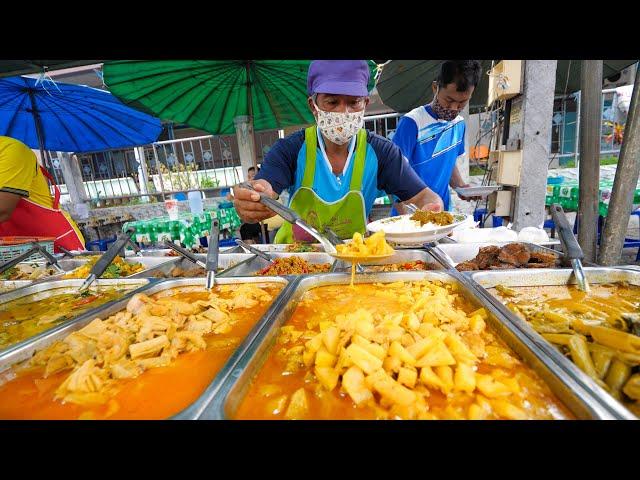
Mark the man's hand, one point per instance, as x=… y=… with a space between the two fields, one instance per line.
x=247 y=203
x=434 y=207
x=426 y=199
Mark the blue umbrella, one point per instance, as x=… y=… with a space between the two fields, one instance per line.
x=70 y=118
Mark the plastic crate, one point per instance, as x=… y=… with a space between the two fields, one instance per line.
x=11 y=247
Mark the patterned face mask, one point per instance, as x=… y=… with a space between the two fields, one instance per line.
x=447 y=114
x=339 y=127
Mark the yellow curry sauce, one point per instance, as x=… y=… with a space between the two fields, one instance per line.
x=411 y=350
x=27 y=316
x=162 y=389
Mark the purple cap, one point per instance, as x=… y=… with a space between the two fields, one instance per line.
x=339 y=77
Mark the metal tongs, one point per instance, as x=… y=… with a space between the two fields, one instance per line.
x=36 y=248
x=293 y=218
x=570 y=246
x=212 y=253
x=185 y=253
x=440 y=255
x=51 y=260
x=255 y=251
x=105 y=260
x=135 y=247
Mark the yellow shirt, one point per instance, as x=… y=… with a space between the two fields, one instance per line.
x=20 y=174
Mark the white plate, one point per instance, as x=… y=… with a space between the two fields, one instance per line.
x=428 y=233
x=479 y=191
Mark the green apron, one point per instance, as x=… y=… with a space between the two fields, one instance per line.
x=344 y=216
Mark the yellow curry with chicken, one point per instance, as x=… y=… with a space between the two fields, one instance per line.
x=403 y=350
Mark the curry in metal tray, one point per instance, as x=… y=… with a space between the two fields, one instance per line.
x=27 y=316
x=404 y=350
x=148 y=361
x=599 y=331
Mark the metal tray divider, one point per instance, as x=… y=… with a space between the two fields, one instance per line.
x=251 y=265
x=195 y=410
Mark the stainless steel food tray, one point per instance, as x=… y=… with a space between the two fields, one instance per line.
x=149 y=263
x=225 y=261
x=399 y=257
x=235 y=386
x=41 y=290
x=162 y=252
x=253 y=264
x=194 y=410
x=463 y=252
x=550 y=277
x=10 y=285
x=282 y=247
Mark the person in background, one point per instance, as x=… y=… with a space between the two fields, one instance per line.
x=432 y=136
x=334 y=169
x=27 y=208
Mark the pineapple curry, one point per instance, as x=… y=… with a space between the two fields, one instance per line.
x=404 y=350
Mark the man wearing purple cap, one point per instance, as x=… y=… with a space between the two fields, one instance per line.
x=334 y=169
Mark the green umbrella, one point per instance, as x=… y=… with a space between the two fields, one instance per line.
x=209 y=94
x=406 y=84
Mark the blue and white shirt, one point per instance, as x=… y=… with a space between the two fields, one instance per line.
x=385 y=169
x=432 y=147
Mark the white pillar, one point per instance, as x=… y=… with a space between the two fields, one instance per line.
x=246 y=143
x=143 y=175
x=75 y=186
x=534 y=130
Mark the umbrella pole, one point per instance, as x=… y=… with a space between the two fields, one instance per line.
x=250 y=110
x=589 y=171
x=626 y=179
x=37 y=121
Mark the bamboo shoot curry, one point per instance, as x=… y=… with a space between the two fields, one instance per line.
x=149 y=361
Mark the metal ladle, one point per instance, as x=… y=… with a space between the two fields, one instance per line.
x=185 y=253
x=570 y=245
x=213 y=253
x=104 y=261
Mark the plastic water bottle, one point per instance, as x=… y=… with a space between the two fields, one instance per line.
x=195 y=202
